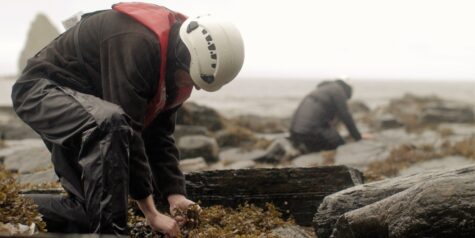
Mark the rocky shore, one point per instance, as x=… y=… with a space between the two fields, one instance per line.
x=417 y=170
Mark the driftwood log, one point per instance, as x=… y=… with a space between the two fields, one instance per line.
x=296 y=191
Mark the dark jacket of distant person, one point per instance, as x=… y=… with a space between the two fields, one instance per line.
x=311 y=124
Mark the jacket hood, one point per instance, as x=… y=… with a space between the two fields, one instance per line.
x=346 y=87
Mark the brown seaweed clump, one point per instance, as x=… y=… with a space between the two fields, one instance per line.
x=407 y=155
x=138 y=227
x=246 y=221
x=242 y=137
x=41 y=186
x=14 y=208
x=399 y=158
x=465 y=148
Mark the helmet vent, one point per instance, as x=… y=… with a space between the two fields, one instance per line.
x=192 y=26
x=207 y=78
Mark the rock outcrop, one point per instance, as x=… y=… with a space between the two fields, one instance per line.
x=404 y=205
x=40 y=34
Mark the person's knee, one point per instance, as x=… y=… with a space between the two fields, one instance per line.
x=112 y=117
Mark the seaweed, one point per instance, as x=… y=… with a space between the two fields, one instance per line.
x=246 y=221
x=14 y=208
x=405 y=155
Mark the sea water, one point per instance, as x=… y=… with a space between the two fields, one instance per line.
x=280 y=97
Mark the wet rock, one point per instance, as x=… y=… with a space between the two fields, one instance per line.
x=41 y=32
x=235 y=137
x=14 y=230
x=216 y=166
x=17 y=131
x=441 y=207
x=193 y=114
x=12 y=147
x=360 y=154
x=388 y=121
x=337 y=204
x=280 y=150
x=449 y=162
x=238 y=154
x=199 y=146
x=309 y=160
x=357 y=106
x=395 y=137
x=260 y=124
x=448 y=112
x=296 y=190
x=244 y=164
x=45 y=176
x=458 y=130
x=291 y=232
x=28 y=160
x=186 y=130
x=419 y=113
x=193 y=165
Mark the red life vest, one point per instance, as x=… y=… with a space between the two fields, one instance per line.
x=159 y=20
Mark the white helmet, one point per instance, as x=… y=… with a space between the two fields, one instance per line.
x=216 y=49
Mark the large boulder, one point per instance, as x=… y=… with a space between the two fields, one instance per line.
x=340 y=203
x=199 y=146
x=442 y=207
x=40 y=34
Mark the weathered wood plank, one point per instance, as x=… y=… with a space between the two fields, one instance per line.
x=296 y=191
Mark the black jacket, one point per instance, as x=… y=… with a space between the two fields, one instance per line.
x=122 y=63
x=321 y=106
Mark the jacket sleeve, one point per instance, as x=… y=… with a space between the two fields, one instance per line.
x=344 y=114
x=163 y=154
x=129 y=68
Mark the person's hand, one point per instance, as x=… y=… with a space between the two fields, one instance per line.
x=367 y=136
x=164 y=224
x=156 y=220
x=179 y=202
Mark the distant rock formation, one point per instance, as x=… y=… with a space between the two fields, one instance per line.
x=40 y=34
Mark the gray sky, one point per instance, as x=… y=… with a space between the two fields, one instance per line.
x=411 y=39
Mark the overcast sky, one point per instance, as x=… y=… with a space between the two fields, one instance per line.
x=415 y=39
